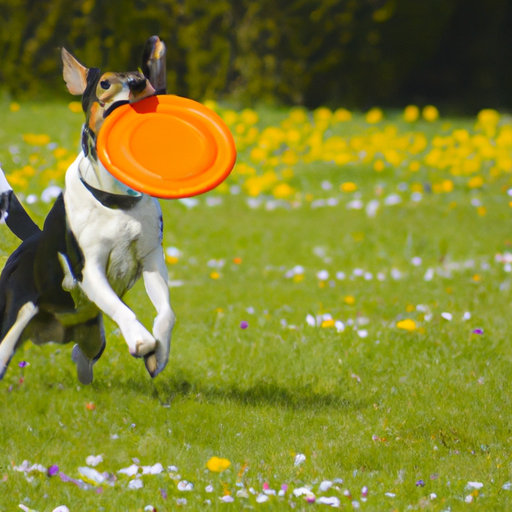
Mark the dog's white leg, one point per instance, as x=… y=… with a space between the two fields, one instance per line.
x=97 y=288
x=7 y=345
x=155 y=277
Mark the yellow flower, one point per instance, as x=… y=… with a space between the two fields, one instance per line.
x=476 y=182
x=258 y=154
x=211 y=104
x=36 y=140
x=215 y=275
x=327 y=323
x=488 y=117
x=430 y=113
x=379 y=165
x=75 y=106
x=14 y=107
x=322 y=114
x=447 y=185
x=348 y=299
x=298 y=115
x=348 y=186
x=374 y=115
x=249 y=116
x=414 y=166
x=411 y=113
x=342 y=115
x=407 y=325
x=59 y=152
x=282 y=191
x=230 y=117
x=217 y=465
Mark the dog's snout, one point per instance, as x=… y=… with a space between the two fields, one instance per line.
x=137 y=85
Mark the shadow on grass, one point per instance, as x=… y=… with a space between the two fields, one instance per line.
x=260 y=393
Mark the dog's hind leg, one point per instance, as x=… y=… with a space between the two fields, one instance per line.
x=8 y=344
x=90 y=344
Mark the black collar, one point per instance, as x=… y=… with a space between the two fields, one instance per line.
x=114 y=201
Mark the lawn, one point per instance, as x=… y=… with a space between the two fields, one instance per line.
x=343 y=305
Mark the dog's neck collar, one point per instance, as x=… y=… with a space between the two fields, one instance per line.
x=109 y=191
x=113 y=201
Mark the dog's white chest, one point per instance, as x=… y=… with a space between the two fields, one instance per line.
x=127 y=247
x=120 y=239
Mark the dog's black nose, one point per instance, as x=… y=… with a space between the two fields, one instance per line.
x=136 y=84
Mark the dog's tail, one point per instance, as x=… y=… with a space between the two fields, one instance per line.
x=13 y=213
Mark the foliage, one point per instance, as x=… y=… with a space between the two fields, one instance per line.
x=359 y=52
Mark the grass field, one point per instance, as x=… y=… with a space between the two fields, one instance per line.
x=371 y=257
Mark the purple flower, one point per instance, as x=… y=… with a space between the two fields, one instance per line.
x=478 y=331
x=244 y=324
x=163 y=493
x=420 y=483
x=53 y=470
x=22 y=364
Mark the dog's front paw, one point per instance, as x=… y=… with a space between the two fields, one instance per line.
x=140 y=341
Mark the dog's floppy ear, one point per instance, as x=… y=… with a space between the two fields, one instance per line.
x=153 y=64
x=75 y=75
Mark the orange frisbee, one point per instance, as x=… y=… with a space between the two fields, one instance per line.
x=166 y=146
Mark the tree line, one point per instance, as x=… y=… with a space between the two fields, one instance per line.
x=355 y=53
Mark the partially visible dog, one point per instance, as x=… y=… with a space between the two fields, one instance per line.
x=97 y=240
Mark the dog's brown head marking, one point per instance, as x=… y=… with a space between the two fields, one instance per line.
x=102 y=93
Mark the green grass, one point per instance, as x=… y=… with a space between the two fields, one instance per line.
x=382 y=411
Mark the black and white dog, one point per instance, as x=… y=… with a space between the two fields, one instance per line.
x=97 y=240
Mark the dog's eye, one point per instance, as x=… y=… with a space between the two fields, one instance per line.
x=105 y=84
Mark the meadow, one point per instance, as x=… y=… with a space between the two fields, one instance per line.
x=343 y=336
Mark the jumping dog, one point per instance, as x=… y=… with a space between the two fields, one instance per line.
x=98 y=239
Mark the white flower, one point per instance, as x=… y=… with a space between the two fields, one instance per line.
x=227 y=499
x=475 y=485
x=299 y=459
x=185 y=486
x=130 y=470
x=135 y=484
x=447 y=316
x=331 y=501
x=302 y=491
x=93 y=460
x=310 y=320
x=322 y=275
x=50 y=193
x=429 y=275
x=261 y=498
x=156 y=469
x=91 y=475
x=325 y=485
